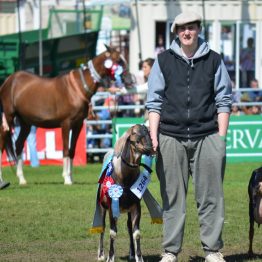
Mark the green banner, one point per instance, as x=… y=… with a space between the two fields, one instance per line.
x=244 y=139
x=120 y=125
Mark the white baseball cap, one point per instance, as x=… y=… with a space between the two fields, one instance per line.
x=185 y=18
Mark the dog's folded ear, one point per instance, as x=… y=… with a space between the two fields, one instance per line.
x=120 y=143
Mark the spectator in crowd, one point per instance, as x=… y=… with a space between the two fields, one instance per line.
x=110 y=111
x=236 y=111
x=107 y=113
x=142 y=89
x=189 y=102
x=247 y=109
x=236 y=98
x=125 y=100
x=247 y=62
x=160 y=45
x=236 y=94
x=256 y=110
x=147 y=66
x=31 y=140
x=139 y=76
x=254 y=95
x=230 y=65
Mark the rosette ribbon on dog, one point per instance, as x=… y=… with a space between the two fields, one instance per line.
x=115 y=192
x=141 y=192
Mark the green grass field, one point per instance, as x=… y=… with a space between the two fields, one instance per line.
x=47 y=221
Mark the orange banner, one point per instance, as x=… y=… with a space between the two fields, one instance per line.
x=50 y=148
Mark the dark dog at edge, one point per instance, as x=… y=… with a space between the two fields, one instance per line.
x=255 y=204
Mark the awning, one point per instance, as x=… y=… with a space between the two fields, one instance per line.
x=105 y=2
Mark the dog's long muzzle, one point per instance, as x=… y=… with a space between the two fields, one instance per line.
x=148 y=150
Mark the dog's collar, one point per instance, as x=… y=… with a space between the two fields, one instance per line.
x=129 y=164
x=149 y=170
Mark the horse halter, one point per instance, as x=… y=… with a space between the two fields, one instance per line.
x=93 y=72
x=114 y=69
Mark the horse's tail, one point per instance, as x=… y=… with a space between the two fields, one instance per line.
x=7 y=144
x=6 y=141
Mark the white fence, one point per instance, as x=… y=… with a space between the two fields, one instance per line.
x=104 y=95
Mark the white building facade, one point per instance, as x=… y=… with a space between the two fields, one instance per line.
x=228 y=25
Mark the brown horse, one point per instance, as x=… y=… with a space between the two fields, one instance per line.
x=62 y=101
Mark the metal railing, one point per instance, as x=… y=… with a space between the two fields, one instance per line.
x=134 y=107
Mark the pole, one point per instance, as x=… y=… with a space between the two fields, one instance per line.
x=40 y=40
x=84 y=14
x=85 y=28
x=20 y=46
x=204 y=20
x=78 y=24
x=139 y=33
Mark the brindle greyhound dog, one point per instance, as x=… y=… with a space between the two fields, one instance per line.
x=126 y=160
x=255 y=204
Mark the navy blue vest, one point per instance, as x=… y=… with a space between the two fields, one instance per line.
x=188 y=109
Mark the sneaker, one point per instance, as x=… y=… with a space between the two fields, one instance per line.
x=4 y=184
x=214 y=257
x=168 y=257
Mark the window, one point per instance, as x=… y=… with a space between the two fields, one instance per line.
x=227 y=47
x=247 y=53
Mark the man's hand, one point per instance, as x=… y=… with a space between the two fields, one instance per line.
x=154 y=119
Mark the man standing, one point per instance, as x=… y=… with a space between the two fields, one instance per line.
x=189 y=103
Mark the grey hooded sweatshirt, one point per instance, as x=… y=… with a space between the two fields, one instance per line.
x=188 y=93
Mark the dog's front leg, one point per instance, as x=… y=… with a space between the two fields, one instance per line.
x=113 y=233
x=135 y=217
x=251 y=226
x=101 y=252
x=131 y=239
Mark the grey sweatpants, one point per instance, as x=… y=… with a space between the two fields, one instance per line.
x=204 y=159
